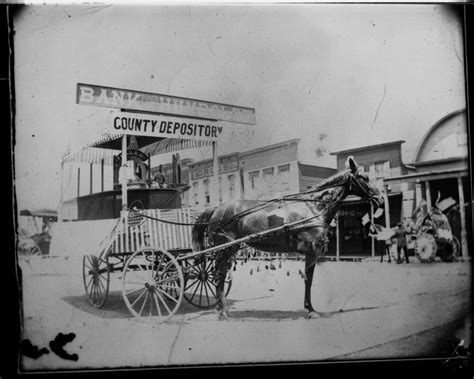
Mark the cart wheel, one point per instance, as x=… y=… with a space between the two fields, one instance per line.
x=200 y=287
x=152 y=284
x=28 y=249
x=96 y=276
x=451 y=251
x=425 y=248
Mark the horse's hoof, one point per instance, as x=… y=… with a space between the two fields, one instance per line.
x=312 y=314
x=223 y=316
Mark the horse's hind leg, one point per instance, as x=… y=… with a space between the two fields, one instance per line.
x=310 y=262
x=223 y=265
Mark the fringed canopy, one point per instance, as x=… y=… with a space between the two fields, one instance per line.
x=107 y=145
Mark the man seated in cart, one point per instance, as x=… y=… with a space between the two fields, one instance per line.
x=159 y=180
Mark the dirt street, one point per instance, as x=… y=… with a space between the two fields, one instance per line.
x=366 y=310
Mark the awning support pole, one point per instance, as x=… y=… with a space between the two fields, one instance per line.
x=337 y=237
x=215 y=170
x=102 y=175
x=61 y=198
x=124 y=172
x=90 y=178
x=78 y=181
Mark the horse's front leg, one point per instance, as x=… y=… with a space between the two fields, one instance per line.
x=223 y=264
x=310 y=262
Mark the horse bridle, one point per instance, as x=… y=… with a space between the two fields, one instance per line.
x=355 y=181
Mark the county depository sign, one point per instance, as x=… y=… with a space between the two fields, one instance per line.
x=88 y=94
x=162 y=126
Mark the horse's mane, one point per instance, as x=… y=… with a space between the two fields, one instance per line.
x=334 y=180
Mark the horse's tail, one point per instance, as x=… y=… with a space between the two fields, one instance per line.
x=200 y=228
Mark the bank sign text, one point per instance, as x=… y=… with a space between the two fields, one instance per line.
x=88 y=94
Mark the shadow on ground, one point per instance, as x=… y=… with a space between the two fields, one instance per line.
x=115 y=306
x=294 y=315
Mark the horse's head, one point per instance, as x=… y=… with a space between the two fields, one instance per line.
x=361 y=185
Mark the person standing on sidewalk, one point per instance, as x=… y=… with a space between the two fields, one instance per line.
x=385 y=235
x=401 y=235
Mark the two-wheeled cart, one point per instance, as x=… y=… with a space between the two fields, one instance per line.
x=154 y=279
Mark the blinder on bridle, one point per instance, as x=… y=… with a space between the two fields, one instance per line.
x=353 y=180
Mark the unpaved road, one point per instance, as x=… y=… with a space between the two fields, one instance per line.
x=367 y=310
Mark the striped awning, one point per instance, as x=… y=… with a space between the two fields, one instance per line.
x=96 y=155
x=91 y=155
x=170 y=145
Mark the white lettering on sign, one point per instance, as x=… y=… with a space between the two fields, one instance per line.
x=163 y=126
x=99 y=96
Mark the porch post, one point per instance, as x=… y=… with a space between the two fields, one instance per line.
x=428 y=194
x=418 y=195
x=463 y=218
x=386 y=206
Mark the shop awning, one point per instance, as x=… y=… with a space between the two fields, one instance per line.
x=106 y=146
x=428 y=175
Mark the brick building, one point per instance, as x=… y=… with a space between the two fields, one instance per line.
x=261 y=173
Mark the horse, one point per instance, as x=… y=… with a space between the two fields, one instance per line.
x=240 y=218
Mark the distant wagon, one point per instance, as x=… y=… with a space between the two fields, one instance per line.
x=433 y=233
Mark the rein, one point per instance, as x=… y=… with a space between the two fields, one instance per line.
x=265 y=203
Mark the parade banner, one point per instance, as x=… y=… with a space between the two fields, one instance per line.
x=88 y=94
x=163 y=126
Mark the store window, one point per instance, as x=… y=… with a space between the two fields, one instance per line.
x=220 y=189
x=231 y=186
x=284 y=173
x=268 y=172
x=207 y=197
x=253 y=177
x=382 y=169
x=196 y=192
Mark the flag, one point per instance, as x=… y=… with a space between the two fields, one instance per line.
x=365 y=219
x=133 y=145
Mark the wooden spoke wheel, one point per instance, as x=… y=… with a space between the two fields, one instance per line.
x=451 y=250
x=28 y=248
x=96 y=277
x=425 y=248
x=152 y=284
x=200 y=283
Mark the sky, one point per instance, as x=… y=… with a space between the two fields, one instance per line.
x=334 y=76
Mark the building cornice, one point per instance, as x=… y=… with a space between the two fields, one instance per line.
x=367 y=148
